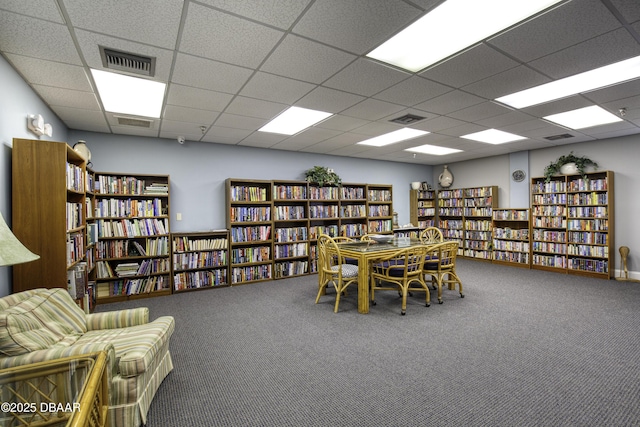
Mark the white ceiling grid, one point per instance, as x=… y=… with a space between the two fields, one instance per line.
x=231 y=66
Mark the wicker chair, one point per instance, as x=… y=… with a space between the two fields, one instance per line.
x=442 y=267
x=398 y=271
x=431 y=235
x=332 y=269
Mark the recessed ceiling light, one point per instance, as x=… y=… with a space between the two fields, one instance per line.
x=433 y=149
x=393 y=137
x=129 y=95
x=294 y=120
x=493 y=136
x=452 y=27
x=608 y=75
x=584 y=117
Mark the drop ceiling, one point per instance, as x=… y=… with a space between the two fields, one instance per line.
x=231 y=66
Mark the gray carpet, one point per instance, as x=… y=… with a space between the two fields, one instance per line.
x=523 y=348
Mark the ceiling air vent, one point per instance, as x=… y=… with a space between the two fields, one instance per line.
x=407 y=119
x=128 y=62
x=131 y=121
x=557 y=137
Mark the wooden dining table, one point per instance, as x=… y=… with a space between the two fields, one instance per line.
x=364 y=253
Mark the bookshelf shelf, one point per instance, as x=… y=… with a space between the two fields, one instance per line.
x=200 y=260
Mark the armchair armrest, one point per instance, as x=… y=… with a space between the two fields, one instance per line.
x=117 y=319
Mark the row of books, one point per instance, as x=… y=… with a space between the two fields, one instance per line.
x=250 y=234
x=290 y=268
x=477 y=235
x=549 y=187
x=482 y=225
x=592 y=265
x=379 y=210
x=588 y=184
x=483 y=245
x=353 y=230
x=353 y=211
x=200 y=279
x=550 y=235
x=352 y=193
x=75 y=247
x=290 y=250
x=329 y=230
x=289 y=212
x=248 y=193
x=75 y=176
x=133 y=227
x=250 y=254
x=183 y=244
x=511 y=215
x=133 y=286
x=557 y=261
x=380 y=226
x=588 y=199
x=105 y=208
x=323 y=193
x=511 y=233
x=379 y=195
x=478 y=202
x=588 y=224
x=588 y=212
x=550 y=247
x=517 y=257
x=588 y=250
x=107 y=184
x=291 y=234
x=119 y=249
x=549 y=222
x=510 y=245
x=189 y=260
x=250 y=213
x=286 y=192
x=550 y=199
x=549 y=210
x=593 y=238
x=251 y=273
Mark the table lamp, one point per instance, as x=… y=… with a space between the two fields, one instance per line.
x=11 y=250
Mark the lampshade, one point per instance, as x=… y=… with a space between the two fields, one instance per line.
x=11 y=250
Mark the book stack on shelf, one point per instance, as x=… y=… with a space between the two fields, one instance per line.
x=380 y=204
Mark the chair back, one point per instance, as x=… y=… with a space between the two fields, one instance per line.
x=402 y=264
x=329 y=255
x=431 y=235
x=448 y=252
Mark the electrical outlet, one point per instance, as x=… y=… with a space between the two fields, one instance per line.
x=178 y=217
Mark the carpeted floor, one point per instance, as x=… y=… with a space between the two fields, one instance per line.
x=523 y=348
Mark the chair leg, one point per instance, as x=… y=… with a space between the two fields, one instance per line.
x=322 y=290
x=403 y=311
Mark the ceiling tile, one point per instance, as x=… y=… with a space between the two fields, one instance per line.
x=504 y=83
x=306 y=60
x=35 y=8
x=49 y=73
x=216 y=133
x=130 y=19
x=630 y=9
x=258 y=108
x=239 y=122
x=340 y=23
x=567 y=25
x=372 y=109
x=67 y=97
x=412 y=91
x=211 y=75
x=449 y=102
x=275 y=88
x=329 y=100
x=281 y=13
x=24 y=36
x=201 y=99
x=365 y=77
x=474 y=64
x=190 y=115
x=342 y=123
x=220 y=36
x=479 y=112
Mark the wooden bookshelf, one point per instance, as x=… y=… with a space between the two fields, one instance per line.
x=200 y=260
x=291 y=229
x=133 y=252
x=466 y=215
x=590 y=225
x=48 y=214
x=549 y=224
x=249 y=207
x=353 y=210
x=380 y=208
x=422 y=208
x=511 y=243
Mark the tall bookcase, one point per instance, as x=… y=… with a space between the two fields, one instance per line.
x=422 y=208
x=353 y=210
x=380 y=208
x=133 y=252
x=291 y=229
x=249 y=205
x=511 y=243
x=572 y=222
x=465 y=215
x=200 y=260
x=48 y=214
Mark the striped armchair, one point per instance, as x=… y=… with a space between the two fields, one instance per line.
x=46 y=324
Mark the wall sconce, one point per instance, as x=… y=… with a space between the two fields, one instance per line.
x=36 y=124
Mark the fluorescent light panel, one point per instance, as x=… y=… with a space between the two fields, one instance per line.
x=294 y=120
x=393 y=137
x=608 y=75
x=493 y=136
x=452 y=27
x=129 y=95
x=584 y=117
x=433 y=150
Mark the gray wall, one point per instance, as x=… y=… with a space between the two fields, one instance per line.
x=198 y=171
x=17 y=101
